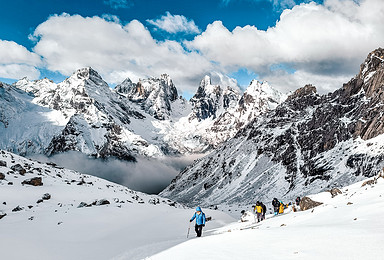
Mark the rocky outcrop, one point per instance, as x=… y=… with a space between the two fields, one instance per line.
x=306 y=203
x=301 y=92
x=334 y=192
x=19 y=169
x=46 y=196
x=36 y=181
x=18 y=208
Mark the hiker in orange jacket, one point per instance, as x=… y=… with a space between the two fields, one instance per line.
x=281 y=207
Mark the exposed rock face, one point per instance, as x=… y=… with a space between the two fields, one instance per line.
x=3 y=163
x=301 y=92
x=2 y=176
x=18 y=168
x=206 y=101
x=102 y=202
x=306 y=203
x=18 y=208
x=46 y=196
x=154 y=95
x=308 y=144
x=334 y=192
x=36 y=181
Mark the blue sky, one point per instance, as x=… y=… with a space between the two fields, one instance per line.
x=289 y=43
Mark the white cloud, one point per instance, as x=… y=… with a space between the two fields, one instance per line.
x=175 y=24
x=17 y=62
x=330 y=39
x=117 y=4
x=116 y=51
x=323 y=44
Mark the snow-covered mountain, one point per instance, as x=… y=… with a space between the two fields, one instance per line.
x=85 y=115
x=147 y=118
x=155 y=95
x=307 y=144
x=218 y=114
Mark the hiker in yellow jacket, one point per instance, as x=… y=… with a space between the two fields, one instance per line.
x=281 y=207
x=259 y=211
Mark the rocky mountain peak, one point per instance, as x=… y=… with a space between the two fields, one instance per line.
x=304 y=91
x=257 y=88
x=206 y=81
x=371 y=75
x=207 y=100
x=86 y=73
x=125 y=87
x=373 y=62
x=154 y=95
x=167 y=79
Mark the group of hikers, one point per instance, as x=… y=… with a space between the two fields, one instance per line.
x=260 y=209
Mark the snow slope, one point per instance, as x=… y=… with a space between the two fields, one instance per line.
x=348 y=226
x=74 y=224
x=139 y=226
x=26 y=127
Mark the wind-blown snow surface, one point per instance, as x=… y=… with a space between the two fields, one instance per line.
x=335 y=230
x=132 y=226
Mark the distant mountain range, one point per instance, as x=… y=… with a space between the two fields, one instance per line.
x=147 y=118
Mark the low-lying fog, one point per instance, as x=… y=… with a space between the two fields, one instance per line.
x=146 y=175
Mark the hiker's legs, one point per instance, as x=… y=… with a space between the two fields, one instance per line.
x=199 y=230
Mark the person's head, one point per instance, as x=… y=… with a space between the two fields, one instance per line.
x=198 y=210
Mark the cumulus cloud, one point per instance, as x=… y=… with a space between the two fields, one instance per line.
x=117 y=4
x=67 y=42
x=315 y=40
x=319 y=44
x=17 y=62
x=175 y=24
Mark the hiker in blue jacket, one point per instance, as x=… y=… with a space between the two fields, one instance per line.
x=200 y=221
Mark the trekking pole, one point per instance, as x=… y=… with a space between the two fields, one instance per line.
x=189 y=227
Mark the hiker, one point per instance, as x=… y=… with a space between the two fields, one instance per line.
x=298 y=201
x=275 y=204
x=281 y=207
x=246 y=216
x=200 y=221
x=264 y=210
x=259 y=211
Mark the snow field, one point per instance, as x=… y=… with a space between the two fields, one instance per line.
x=335 y=230
x=133 y=226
